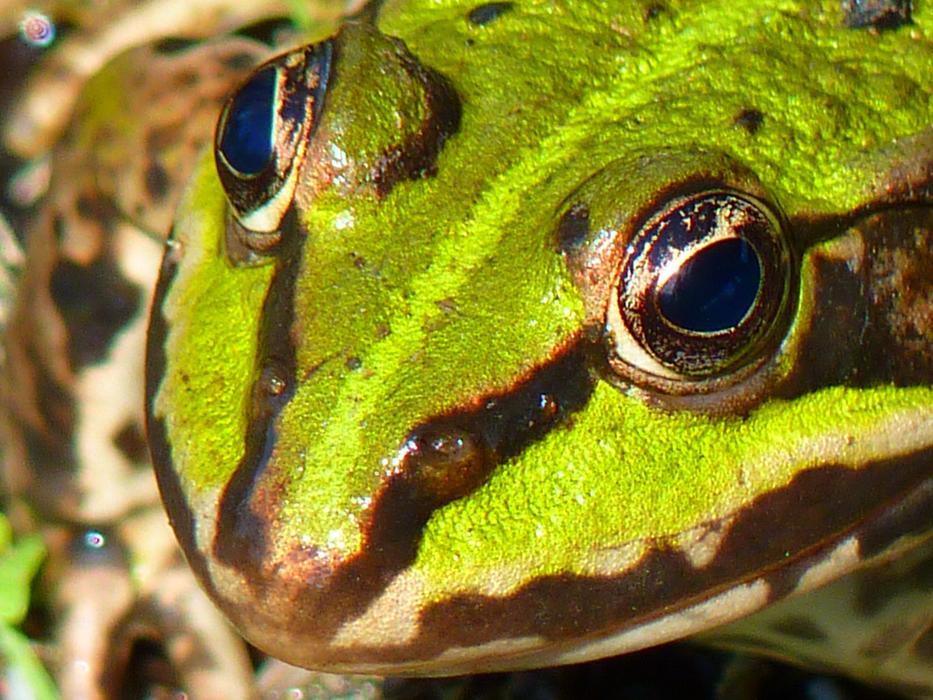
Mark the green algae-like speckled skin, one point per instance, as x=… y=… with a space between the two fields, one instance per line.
x=450 y=288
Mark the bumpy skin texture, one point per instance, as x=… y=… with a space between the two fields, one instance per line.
x=398 y=440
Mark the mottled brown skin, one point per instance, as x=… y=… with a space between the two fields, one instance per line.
x=80 y=292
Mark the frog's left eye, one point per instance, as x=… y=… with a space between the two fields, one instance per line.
x=262 y=132
x=246 y=140
x=700 y=289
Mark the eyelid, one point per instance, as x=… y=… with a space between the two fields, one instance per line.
x=300 y=78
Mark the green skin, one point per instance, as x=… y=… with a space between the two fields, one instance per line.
x=413 y=305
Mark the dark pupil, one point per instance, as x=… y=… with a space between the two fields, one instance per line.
x=713 y=290
x=247 y=139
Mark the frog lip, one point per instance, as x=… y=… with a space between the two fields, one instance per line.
x=301 y=618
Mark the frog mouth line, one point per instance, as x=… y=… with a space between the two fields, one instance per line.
x=665 y=580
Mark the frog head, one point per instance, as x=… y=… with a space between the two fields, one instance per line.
x=501 y=336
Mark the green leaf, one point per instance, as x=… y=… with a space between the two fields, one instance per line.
x=18 y=566
x=23 y=666
x=6 y=533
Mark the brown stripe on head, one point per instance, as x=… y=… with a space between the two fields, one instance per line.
x=444 y=458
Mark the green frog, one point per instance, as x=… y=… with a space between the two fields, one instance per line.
x=502 y=335
x=508 y=334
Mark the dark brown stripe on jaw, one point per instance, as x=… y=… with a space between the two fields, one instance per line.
x=806 y=518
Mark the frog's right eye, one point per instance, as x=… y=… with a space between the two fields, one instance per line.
x=700 y=289
x=689 y=284
x=262 y=133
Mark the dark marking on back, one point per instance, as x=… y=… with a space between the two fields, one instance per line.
x=96 y=302
x=484 y=14
x=749 y=119
x=877 y=14
x=800 y=628
x=157 y=181
x=131 y=441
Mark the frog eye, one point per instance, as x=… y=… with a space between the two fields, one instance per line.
x=262 y=132
x=245 y=139
x=700 y=288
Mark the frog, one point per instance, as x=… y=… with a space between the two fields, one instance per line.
x=463 y=443
x=510 y=334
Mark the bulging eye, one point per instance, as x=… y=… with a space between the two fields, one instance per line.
x=701 y=287
x=246 y=137
x=262 y=135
